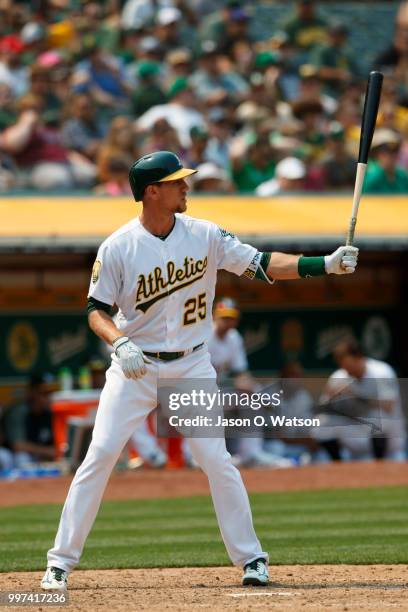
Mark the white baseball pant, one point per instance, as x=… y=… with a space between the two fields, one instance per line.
x=123 y=405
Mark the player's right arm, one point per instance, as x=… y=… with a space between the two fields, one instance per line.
x=102 y=325
x=103 y=293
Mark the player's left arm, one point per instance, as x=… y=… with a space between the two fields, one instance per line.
x=283 y=266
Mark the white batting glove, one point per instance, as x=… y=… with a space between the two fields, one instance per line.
x=131 y=358
x=342 y=261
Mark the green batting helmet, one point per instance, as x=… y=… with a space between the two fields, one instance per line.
x=158 y=167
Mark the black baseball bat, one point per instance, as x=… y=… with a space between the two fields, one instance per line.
x=371 y=103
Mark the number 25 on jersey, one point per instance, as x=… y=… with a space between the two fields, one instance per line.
x=195 y=308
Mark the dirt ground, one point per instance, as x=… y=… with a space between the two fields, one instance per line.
x=295 y=588
x=144 y=484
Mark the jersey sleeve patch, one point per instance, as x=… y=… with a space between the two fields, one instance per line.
x=253 y=266
x=96 y=269
x=225 y=234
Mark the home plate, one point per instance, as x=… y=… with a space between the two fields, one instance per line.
x=266 y=594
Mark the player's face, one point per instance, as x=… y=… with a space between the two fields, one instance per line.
x=353 y=365
x=224 y=324
x=173 y=196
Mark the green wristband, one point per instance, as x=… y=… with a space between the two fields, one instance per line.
x=311 y=266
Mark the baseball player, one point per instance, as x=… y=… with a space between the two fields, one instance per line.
x=160 y=269
x=380 y=431
x=228 y=356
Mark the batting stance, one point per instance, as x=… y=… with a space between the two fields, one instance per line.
x=160 y=270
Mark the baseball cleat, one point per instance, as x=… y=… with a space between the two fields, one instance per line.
x=256 y=573
x=55 y=579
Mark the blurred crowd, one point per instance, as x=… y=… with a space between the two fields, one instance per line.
x=86 y=87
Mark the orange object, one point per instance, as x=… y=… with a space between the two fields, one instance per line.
x=61 y=34
x=174 y=453
x=65 y=405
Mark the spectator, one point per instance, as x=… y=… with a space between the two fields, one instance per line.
x=255 y=167
x=383 y=173
x=34 y=37
x=241 y=56
x=120 y=141
x=168 y=28
x=137 y=14
x=110 y=27
x=150 y=49
x=289 y=177
x=348 y=114
x=211 y=179
x=148 y=93
x=213 y=80
x=128 y=51
x=335 y=61
x=392 y=113
x=81 y=130
x=141 y=58
x=311 y=89
x=179 y=111
x=236 y=30
x=12 y=72
x=179 y=62
x=338 y=166
x=41 y=86
x=59 y=68
x=28 y=426
x=248 y=119
x=196 y=153
x=226 y=26
x=100 y=75
x=162 y=137
x=118 y=178
x=220 y=132
x=312 y=132
x=305 y=29
x=265 y=81
x=8 y=113
x=13 y=16
x=143 y=49
x=395 y=58
x=39 y=153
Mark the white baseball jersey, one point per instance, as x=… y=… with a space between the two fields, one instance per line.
x=227 y=353
x=164 y=289
x=379 y=382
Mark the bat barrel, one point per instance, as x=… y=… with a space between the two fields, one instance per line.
x=371 y=103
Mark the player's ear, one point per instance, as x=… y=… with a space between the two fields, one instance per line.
x=152 y=191
x=148 y=192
